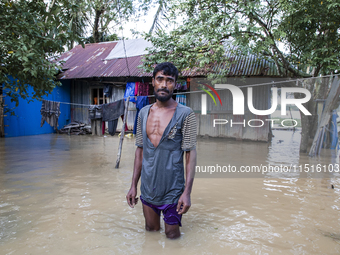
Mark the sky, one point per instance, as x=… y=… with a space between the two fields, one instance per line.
x=143 y=24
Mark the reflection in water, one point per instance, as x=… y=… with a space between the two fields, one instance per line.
x=62 y=195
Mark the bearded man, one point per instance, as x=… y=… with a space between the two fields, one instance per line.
x=165 y=130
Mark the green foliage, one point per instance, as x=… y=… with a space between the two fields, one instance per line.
x=102 y=38
x=32 y=33
x=311 y=30
x=105 y=13
x=192 y=45
x=297 y=35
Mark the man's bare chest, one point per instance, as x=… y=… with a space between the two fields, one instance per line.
x=156 y=124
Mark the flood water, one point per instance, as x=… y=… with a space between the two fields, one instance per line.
x=61 y=194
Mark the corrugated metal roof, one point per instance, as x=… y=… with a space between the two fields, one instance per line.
x=89 y=62
x=240 y=65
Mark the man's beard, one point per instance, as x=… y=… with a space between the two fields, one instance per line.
x=163 y=98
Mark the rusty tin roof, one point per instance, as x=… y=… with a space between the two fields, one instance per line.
x=89 y=62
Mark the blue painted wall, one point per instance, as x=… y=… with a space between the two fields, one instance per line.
x=27 y=118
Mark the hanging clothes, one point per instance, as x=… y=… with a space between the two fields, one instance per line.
x=96 y=117
x=111 y=114
x=181 y=99
x=141 y=102
x=108 y=91
x=103 y=127
x=130 y=91
x=136 y=88
x=184 y=86
x=114 y=110
x=178 y=86
x=112 y=126
x=142 y=89
x=181 y=86
x=50 y=112
x=95 y=112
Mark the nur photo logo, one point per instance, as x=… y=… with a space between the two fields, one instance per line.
x=238 y=99
x=204 y=97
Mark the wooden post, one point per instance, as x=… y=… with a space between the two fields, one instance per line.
x=93 y=127
x=330 y=103
x=123 y=132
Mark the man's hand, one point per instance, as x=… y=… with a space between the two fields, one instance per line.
x=131 y=197
x=184 y=203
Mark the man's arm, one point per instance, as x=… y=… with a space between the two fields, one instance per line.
x=131 y=196
x=184 y=201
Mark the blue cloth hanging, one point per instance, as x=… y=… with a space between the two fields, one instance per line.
x=130 y=91
x=141 y=102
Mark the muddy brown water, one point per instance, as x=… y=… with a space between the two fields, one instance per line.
x=61 y=194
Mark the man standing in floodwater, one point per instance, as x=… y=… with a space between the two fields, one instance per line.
x=165 y=130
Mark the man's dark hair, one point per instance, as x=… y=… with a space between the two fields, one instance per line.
x=167 y=68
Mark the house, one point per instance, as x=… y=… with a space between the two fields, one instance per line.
x=25 y=119
x=85 y=75
x=89 y=70
x=86 y=72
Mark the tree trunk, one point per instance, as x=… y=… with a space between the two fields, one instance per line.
x=96 y=34
x=304 y=133
x=308 y=123
x=319 y=88
x=330 y=104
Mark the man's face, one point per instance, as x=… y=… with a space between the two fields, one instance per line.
x=163 y=86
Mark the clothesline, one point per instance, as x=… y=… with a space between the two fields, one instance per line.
x=68 y=103
x=88 y=105
x=199 y=91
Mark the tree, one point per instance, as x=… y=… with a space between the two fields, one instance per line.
x=311 y=34
x=108 y=13
x=302 y=37
x=160 y=16
x=32 y=33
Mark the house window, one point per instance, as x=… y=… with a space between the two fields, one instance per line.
x=98 y=97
